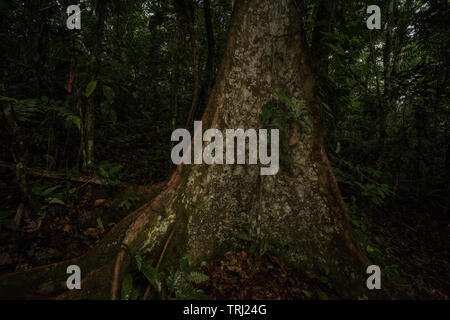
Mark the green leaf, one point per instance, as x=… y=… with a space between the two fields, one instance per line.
x=127 y=287
x=267 y=111
x=109 y=94
x=7 y=99
x=103 y=173
x=75 y=120
x=55 y=201
x=48 y=191
x=197 y=277
x=307 y=293
x=186 y=292
x=90 y=88
x=335 y=49
x=173 y=281
x=371 y=249
x=374 y=253
x=324 y=279
x=138 y=258
x=184 y=265
x=152 y=275
x=285 y=99
x=115 y=169
x=322 y=295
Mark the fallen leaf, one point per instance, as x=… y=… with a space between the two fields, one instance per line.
x=99 y=202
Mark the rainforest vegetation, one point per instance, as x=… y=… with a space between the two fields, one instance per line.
x=86 y=176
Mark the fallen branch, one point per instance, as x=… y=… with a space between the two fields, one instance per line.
x=41 y=173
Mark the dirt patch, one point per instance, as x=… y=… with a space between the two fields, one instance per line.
x=241 y=275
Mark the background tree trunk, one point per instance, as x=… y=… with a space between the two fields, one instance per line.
x=19 y=151
x=187 y=12
x=95 y=99
x=208 y=79
x=387 y=73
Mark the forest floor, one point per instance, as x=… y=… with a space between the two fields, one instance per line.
x=414 y=255
x=61 y=230
x=246 y=276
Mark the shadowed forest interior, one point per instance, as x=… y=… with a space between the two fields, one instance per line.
x=87 y=116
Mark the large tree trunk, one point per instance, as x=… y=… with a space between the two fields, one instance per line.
x=300 y=208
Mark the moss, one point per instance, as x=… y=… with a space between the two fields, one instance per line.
x=176 y=249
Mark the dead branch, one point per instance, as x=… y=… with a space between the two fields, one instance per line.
x=41 y=173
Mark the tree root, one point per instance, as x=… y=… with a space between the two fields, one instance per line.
x=147 y=290
x=132 y=238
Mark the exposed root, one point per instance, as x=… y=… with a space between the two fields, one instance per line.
x=147 y=290
x=157 y=206
x=117 y=264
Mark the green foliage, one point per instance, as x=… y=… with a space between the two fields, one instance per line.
x=30 y=110
x=48 y=194
x=256 y=246
x=90 y=88
x=394 y=274
x=307 y=293
x=109 y=94
x=359 y=102
x=281 y=113
x=129 y=202
x=362 y=181
x=127 y=287
x=273 y=118
x=179 y=284
x=374 y=253
x=322 y=295
x=109 y=172
x=152 y=275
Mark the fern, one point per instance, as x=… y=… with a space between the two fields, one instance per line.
x=196 y=277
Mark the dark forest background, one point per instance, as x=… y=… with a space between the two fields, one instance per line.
x=86 y=118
